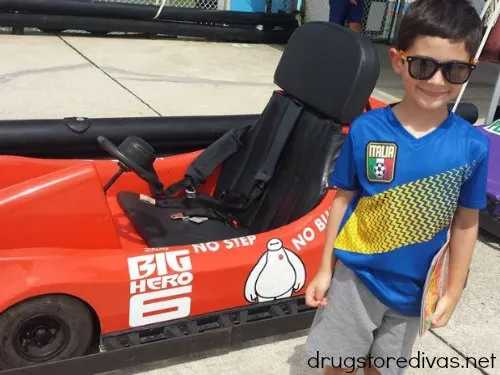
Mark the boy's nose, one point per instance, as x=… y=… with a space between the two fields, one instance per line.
x=437 y=79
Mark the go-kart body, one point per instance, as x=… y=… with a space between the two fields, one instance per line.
x=80 y=243
x=63 y=235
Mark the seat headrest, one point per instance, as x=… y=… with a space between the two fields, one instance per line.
x=329 y=68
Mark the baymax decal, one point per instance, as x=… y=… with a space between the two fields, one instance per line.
x=277 y=274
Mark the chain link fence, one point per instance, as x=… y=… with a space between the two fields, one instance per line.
x=268 y=6
x=380 y=17
x=379 y=22
x=201 y=4
x=273 y=6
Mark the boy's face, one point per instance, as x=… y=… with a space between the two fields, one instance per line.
x=435 y=92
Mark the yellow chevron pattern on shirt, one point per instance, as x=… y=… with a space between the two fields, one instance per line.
x=402 y=216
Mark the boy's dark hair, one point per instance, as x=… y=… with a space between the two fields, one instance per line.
x=456 y=20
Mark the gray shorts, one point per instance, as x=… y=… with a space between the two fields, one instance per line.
x=355 y=326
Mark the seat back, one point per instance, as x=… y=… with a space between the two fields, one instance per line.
x=331 y=72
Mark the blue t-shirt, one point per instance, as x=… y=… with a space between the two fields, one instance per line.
x=408 y=189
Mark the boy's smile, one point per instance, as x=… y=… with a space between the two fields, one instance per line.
x=436 y=92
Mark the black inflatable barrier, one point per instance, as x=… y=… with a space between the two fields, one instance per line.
x=76 y=137
x=146 y=12
x=101 y=24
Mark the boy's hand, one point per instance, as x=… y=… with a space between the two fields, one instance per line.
x=316 y=291
x=444 y=310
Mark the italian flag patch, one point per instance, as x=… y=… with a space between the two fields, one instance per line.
x=380 y=161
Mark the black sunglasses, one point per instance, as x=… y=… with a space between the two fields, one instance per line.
x=423 y=68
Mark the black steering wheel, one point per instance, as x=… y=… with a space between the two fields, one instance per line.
x=134 y=154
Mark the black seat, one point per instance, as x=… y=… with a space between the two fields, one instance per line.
x=467 y=110
x=326 y=71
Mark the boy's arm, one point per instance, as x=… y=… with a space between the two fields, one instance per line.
x=465 y=225
x=337 y=211
x=463 y=236
x=464 y=231
x=345 y=179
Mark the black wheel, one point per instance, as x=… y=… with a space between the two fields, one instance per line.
x=45 y=329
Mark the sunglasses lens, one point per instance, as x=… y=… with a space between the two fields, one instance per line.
x=422 y=68
x=457 y=73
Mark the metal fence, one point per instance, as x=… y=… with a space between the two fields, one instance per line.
x=201 y=4
x=380 y=17
x=379 y=23
x=274 y=5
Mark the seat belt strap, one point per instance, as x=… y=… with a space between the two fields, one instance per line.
x=200 y=215
x=287 y=124
x=264 y=174
x=214 y=155
x=202 y=201
x=207 y=161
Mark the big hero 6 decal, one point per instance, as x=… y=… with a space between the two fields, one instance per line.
x=277 y=274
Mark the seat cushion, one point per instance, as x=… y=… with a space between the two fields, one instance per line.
x=157 y=228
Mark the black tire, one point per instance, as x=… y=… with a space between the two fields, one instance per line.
x=63 y=327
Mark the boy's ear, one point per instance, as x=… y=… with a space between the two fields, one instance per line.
x=396 y=60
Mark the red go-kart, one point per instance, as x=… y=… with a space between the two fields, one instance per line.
x=152 y=256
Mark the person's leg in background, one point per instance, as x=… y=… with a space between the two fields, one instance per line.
x=355 y=15
x=338 y=11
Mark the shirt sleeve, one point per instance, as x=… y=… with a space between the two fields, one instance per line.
x=344 y=175
x=473 y=192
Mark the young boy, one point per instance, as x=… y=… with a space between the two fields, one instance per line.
x=406 y=173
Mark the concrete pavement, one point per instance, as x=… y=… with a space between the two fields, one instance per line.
x=41 y=77
x=51 y=77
